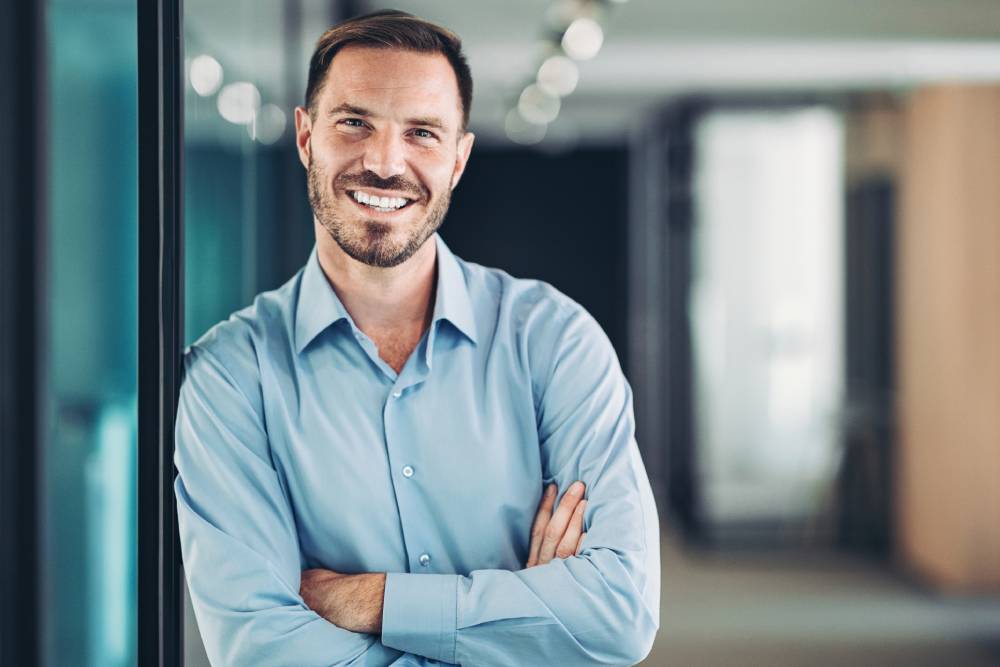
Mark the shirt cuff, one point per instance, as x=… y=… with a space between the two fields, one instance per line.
x=420 y=614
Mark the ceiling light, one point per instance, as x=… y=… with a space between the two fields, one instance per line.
x=238 y=102
x=558 y=75
x=268 y=124
x=538 y=106
x=582 y=39
x=205 y=75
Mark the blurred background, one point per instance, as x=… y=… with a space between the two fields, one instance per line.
x=785 y=214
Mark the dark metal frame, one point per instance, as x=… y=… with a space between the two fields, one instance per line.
x=645 y=309
x=161 y=268
x=660 y=220
x=22 y=326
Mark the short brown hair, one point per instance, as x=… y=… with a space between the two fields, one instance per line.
x=390 y=29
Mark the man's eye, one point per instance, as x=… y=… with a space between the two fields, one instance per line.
x=424 y=134
x=353 y=122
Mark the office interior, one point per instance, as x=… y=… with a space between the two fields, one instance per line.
x=784 y=214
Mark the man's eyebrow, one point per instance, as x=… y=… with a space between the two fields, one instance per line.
x=351 y=109
x=426 y=121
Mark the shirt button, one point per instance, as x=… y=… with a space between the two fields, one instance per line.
x=397 y=394
x=407 y=471
x=425 y=560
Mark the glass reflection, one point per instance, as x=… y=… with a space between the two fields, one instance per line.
x=89 y=461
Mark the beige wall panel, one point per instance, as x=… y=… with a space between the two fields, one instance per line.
x=948 y=338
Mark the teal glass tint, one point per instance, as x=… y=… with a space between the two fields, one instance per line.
x=89 y=455
x=248 y=226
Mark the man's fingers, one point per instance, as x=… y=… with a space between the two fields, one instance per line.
x=567 y=546
x=541 y=521
x=560 y=520
x=579 y=544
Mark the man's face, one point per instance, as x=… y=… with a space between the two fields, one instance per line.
x=384 y=148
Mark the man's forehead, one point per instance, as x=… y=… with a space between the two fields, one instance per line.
x=364 y=68
x=372 y=78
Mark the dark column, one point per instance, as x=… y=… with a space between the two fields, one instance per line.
x=22 y=290
x=160 y=610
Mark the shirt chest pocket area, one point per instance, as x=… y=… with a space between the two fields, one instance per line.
x=480 y=486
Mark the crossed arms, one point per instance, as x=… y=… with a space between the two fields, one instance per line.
x=354 y=601
x=242 y=561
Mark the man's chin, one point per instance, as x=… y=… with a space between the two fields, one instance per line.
x=380 y=243
x=379 y=247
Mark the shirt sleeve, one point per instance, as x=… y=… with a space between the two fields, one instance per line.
x=238 y=537
x=600 y=607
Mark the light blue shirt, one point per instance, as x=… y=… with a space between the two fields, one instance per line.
x=298 y=447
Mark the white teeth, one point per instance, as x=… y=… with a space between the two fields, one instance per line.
x=380 y=203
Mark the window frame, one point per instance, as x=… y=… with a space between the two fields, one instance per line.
x=23 y=262
x=161 y=327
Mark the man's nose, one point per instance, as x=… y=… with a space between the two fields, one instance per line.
x=384 y=155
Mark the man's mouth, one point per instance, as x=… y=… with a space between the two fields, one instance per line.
x=373 y=201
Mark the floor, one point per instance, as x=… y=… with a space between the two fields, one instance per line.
x=818 y=609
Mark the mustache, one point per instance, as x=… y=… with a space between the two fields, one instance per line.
x=369 y=179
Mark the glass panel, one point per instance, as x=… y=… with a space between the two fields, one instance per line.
x=247 y=219
x=89 y=460
x=766 y=322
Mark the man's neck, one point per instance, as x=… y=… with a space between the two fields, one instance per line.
x=381 y=300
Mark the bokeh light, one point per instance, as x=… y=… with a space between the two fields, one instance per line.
x=268 y=124
x=238 y=102
x=205 y=75
x=583 y=39
x=538 y=106
x=558 y=75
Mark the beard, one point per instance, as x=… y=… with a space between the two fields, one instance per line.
x=372 y=242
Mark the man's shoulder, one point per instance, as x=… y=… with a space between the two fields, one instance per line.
x=522 y=301
x=555 y=338
x=236 y=342
x=534 y=316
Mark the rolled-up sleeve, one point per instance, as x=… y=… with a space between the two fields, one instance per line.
x=238 y=536
x=600 y=607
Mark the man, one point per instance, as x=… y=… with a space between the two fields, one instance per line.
x=361 y=453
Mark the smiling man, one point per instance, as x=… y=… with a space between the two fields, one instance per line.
x=369 y=456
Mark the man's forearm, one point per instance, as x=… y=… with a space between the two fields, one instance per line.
x=355 y=601
x=349 y=601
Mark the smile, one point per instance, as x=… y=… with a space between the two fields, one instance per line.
x=373 y=202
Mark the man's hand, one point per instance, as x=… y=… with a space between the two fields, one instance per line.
x=349 y=601
x=558 y=535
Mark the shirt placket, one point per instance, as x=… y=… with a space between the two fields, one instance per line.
x=402 y=449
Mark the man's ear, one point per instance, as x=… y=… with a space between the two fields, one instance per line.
x=464 y=149
x=303 y=132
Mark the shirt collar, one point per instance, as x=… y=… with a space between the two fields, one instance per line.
x=318 y=305
x=452 y=301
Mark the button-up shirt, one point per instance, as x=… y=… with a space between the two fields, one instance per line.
x=297 y=446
